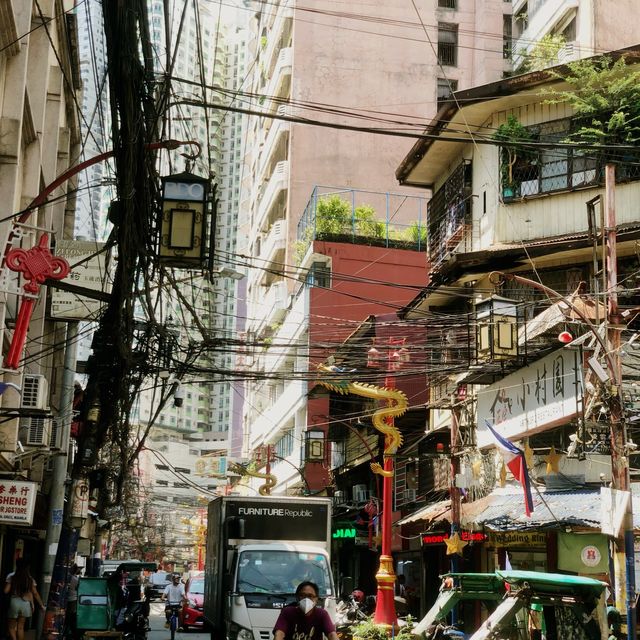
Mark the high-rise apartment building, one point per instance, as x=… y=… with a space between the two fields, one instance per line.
x=202 y=63
x=94 y=192
x=367 y=71
x=547 y=32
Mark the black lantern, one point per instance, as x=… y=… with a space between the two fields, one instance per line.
x=183 y=233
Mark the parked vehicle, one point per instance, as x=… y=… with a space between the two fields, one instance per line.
x=349 y=611
x=104 y=604
x=157 y=583
x=258 y=551
x=193 y=608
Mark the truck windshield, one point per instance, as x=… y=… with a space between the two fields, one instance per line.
x=281 y=572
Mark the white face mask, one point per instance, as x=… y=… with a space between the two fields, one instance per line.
x=306 y=604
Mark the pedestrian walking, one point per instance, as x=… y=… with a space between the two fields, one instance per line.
x=304 y=620
x=71 y=616
x=24 y=595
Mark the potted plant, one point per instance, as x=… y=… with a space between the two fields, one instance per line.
x=369 y=630
x=512 y=131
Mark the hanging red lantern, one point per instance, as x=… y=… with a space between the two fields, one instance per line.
x=565 y=337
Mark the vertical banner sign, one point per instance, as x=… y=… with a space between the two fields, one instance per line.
x=80 y=498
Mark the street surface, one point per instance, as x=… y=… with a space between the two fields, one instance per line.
x=158 y=632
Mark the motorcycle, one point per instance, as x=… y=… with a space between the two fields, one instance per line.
x=349 y=611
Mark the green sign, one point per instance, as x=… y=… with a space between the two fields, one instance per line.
x=344 y=532
x=583 y=553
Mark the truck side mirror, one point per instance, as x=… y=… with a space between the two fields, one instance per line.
x=346 y=586
x=227 y=582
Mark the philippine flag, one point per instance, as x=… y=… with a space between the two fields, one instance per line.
x=516 y=463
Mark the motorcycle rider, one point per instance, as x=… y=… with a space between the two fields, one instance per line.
x=174 y=595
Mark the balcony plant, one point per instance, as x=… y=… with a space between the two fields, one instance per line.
x=605 y=98
x=513 y=134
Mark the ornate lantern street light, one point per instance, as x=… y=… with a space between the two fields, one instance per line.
x=185 y=234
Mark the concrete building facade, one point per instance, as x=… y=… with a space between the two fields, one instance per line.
x=375 y=67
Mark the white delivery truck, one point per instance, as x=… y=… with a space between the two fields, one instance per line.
x=258 y=551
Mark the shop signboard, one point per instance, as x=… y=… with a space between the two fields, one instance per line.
x=17 y=502
x=438 y=537
x=582 y=553
x=88 y=270
x=535 y=398
x=524 y=539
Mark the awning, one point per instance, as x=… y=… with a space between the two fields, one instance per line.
x=431 y=513
x=503 y=510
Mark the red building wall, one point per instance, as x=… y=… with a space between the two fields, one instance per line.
x=364 y=281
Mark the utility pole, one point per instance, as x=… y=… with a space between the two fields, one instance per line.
x=624 y=557
x=455 y=490
x=55 y=543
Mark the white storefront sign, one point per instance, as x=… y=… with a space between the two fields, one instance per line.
x=532 y=399
x=17 y=502
x=90 y=274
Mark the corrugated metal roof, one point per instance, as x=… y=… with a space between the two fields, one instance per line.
x=503 y=510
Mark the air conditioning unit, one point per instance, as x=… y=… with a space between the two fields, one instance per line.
x=409 y=495
x=37 y=431
x=54 y=435
x=360 y=493
x=35 y=392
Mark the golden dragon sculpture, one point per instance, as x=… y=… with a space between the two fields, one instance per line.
x=270 y=480
x=382 y=419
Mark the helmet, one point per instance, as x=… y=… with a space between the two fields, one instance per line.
x=358 y=595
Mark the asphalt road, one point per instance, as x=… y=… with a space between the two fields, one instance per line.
x=158 y=632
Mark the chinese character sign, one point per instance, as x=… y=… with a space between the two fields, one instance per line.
x=532 y=399
x=17 y=502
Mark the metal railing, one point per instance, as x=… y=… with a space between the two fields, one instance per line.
x=365 y=217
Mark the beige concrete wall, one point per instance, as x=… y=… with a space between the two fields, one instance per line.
x=384 y=63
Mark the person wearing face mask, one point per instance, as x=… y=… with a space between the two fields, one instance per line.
x=304 y=620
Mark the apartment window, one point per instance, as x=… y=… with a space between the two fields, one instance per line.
x=162 y=483
x=448 y=4
x=319 y=275
x=445 y=88
x=507 y=36
x=448 y=44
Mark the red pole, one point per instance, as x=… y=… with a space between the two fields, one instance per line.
x=200 y=546
x=385 y=613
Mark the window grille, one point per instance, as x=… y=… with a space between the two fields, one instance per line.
x=555 y=169
x=448 y=44
x=445 y=88
x=448 y=4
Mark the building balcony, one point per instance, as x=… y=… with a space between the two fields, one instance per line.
x=277 y=183
x=273 y=135
x=281 y=70
x=275 y=244
x=276 y=33
x=280 y=415
x=540 y=19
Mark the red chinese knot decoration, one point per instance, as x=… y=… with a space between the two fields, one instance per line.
x=36 y=265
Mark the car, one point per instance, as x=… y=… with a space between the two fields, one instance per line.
x=157 y=583
x=193 y=610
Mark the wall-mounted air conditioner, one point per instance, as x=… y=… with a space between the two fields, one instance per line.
x=36 y=431
x=339 y=497
x=360 y=493
x=409 y=495
x=35 y=392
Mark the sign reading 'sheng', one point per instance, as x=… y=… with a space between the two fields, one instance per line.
x=17 y=501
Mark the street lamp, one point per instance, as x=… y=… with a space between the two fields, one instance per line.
x=183 y=234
